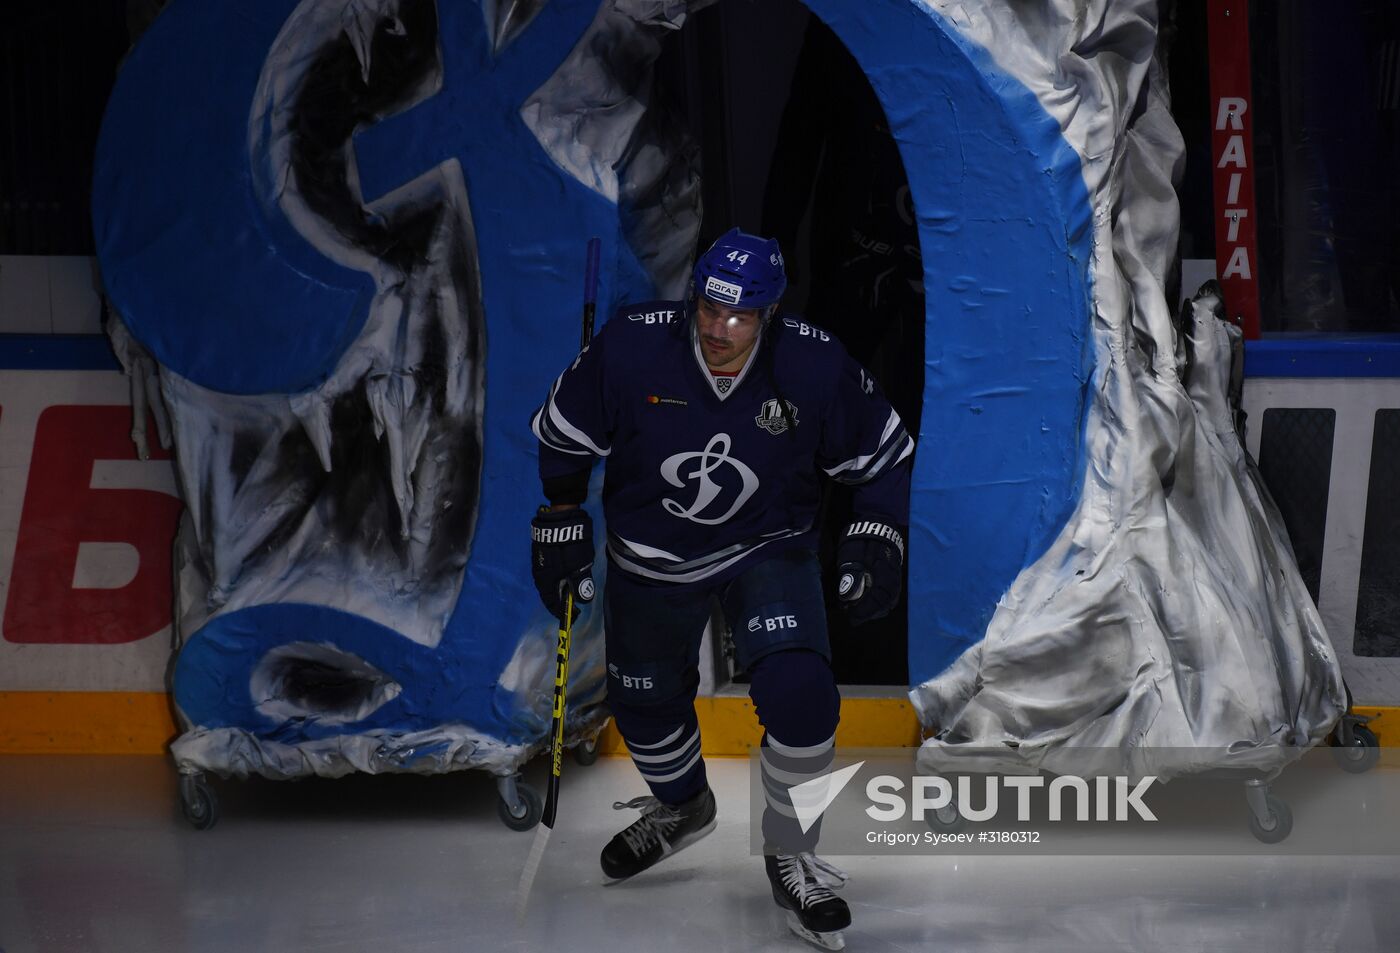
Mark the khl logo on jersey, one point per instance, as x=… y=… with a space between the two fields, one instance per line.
x=771 y=418
x=709 y=460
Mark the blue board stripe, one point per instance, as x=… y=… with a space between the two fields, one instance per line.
x=1323 y=355
x=56 y=352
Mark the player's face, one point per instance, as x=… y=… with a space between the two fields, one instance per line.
x=727 y=335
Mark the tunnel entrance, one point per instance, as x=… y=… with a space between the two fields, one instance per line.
x=792 y=143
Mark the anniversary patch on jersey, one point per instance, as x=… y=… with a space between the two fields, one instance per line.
x=771 y=418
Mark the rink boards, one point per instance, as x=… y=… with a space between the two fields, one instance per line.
x=85 y=530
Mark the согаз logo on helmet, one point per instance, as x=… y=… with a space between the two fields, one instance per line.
x=716 y=288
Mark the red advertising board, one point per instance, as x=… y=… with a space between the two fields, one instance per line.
x=1232 y=150
x=86 y=533
x=62 y=510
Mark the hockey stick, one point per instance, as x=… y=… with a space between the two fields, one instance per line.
x=561 y=667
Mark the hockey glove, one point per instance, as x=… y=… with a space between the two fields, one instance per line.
x=561 y=557
x=869 y=573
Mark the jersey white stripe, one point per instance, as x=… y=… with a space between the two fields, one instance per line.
x=680 y=564
x=896 y=452
x=552 y=428
x=569 y=430
x=540 y=427
x=904 y=454
x=694 y=575
x=857 y=462
x=649 y=552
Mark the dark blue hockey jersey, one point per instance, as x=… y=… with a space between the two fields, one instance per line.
x=700 y=482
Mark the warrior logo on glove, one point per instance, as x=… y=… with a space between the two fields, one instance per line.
x=870 y=564
x=561 y=557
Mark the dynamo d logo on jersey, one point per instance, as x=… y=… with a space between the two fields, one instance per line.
x=722 y=290
x=708 y=493
x=771 y=418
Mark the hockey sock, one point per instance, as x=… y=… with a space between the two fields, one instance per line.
x=665 y=751
x=799 y=706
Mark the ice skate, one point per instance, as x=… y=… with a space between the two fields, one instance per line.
x=802 y=886
x=662 y=830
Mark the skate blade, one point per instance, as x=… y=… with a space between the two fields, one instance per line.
x=675 y=849
x=835 y=940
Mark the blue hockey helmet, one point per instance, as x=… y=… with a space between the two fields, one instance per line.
x=742 y=271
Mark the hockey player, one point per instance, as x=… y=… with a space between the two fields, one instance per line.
x=717 y=416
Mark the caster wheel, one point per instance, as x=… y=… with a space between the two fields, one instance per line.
x=198 y=803
x=1279 y=825
x=1363 y=752
x=526 y=814
x=586 y=751
x=946 y=820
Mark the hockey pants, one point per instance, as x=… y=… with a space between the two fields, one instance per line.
x=776 y=616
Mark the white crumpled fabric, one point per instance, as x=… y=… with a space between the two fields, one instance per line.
x=1167 y=624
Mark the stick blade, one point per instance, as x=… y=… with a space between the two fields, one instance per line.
x=532 y=867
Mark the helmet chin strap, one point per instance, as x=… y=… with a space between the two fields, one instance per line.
x=767 y=319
